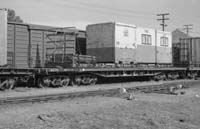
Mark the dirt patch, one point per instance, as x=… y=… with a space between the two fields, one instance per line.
x=147 y=111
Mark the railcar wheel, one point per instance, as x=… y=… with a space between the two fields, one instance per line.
x=56 y=82
x=73 y=83
x=11 y=83
x=65 y=82
x=76 y=81
x=93 y=81
x=8 y=83
x=44 y=82
x=160 y=77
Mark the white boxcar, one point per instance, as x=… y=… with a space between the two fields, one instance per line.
x=112 y=42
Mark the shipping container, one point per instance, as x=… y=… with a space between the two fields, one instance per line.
x=145 y=51
x=190 y=52
x=112 y=42
x=163 y=47
x=117 y=42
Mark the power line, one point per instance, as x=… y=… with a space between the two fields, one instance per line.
x=195 y=32
x=163 y=19
x=188 y=28
x=92 y=5
x=106 y=10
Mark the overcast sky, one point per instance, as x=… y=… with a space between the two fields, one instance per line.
x=79 y=13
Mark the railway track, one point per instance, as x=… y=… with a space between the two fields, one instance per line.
x=159 y=88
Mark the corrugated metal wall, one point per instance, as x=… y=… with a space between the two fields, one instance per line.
x=10 y=45
x=195 y=48
x=190 y=51
x=37 y=40
x=18 y=43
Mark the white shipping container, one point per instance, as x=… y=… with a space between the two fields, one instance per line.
x=145 y=52
x=111 y=42
x=164 y=47
x=116 y=42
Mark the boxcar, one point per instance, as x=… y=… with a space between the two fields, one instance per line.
x=29 y=45
x=190 y=52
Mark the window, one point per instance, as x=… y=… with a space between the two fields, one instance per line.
x=146 y=39
x=164 y=41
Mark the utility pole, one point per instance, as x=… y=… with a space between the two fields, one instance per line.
x=163 y=20
x=188 y=27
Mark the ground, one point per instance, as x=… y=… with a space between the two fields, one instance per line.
x=146 y=111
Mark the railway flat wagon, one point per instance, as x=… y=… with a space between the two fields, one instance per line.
x=50 y=56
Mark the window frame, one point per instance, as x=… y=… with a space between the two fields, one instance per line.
x=146 y=39
x=164 y=41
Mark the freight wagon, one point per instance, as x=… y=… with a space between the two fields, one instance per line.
x=128 y=44
x=189 y=52
x=30 y=46
x=49 y=56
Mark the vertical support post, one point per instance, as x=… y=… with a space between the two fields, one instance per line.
x=43 y=50
x=14 y=55
x=29 y=49
x=65 y=43
x=156 y=49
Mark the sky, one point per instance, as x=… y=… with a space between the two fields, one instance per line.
x=80 y=13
